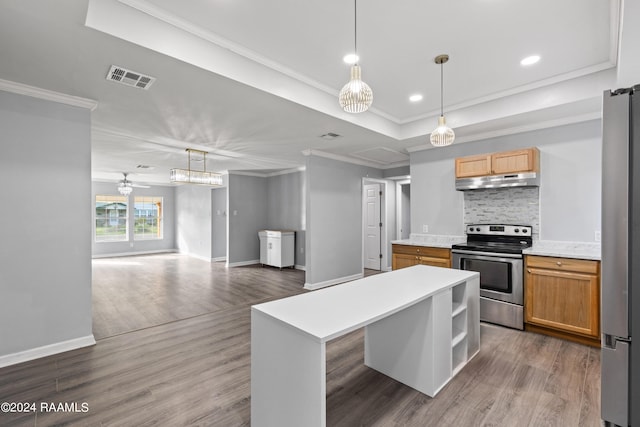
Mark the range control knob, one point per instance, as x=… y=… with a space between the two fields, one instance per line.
x=517 y=230
x=477 y=228
x=524 y=230
x=470 y=228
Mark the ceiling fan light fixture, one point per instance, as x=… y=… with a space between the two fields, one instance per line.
x=443 y=135
x=125 y=188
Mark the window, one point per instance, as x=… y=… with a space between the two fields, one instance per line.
x=148 y=218
x=111 y=218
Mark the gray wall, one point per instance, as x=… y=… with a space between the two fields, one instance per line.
x=45 y=255
x=219 y=223
x=193 y=220
x=167 y=243
x=570 y=170
x=396 y=172
x=334 y=218
x=286 y=208
x=405 y=201
x=247 y=216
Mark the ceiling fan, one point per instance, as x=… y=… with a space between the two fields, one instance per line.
x=125 y=187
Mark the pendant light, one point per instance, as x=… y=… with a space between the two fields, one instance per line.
x=443 y=134
x=193 y=176
x=356 y=96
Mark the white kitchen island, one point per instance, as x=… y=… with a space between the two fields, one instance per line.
x=422 y=325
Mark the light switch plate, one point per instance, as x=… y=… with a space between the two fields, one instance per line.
x=425 y=228
x=597 y=236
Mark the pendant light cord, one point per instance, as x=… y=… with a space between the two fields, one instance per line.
x=441 y=91
x=355 y=30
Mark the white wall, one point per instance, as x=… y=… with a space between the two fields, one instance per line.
x=334 y=220
x=570 y=171
x=193 y=220
x=45 y=254
x=167 y=243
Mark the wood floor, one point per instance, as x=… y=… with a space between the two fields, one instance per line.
x=193 y=368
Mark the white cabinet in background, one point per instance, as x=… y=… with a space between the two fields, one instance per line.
x=277 y=248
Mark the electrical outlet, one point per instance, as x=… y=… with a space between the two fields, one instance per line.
x=597 y=236
x=425 y=228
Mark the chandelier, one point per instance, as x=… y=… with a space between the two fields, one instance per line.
x=190 y=176
x=356 y=96
x=443 y=134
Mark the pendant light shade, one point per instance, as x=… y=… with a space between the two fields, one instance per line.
x=443 y=134
x=356 y=96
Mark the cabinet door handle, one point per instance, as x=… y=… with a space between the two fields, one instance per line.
x=559 y=263
x=528 y=270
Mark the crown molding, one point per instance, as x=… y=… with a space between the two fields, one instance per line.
x=48 y=95
x=516 y=129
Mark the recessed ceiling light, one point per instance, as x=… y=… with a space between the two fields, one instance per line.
x=415 y=98
x=351 y=58
x=530 y=60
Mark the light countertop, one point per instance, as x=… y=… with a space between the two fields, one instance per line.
x=556 y=248
x=579 y=250
x=431 y=240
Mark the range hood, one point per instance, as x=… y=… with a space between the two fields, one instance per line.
x=524 y=179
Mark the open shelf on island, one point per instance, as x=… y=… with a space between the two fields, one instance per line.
x=458 y=327
x=458 y=336
x=458 y=308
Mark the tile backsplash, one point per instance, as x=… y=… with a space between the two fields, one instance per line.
x=516 y=206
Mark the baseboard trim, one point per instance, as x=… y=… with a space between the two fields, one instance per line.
x=300 y=267
x=314 y=286
x=119 y=254
x=47 y=350
x=243 y=263
x=218 y=259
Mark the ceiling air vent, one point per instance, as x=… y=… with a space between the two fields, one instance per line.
x=129 y=78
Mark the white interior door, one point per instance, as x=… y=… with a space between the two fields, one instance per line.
x=372 y=227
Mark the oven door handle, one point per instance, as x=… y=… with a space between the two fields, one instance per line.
x=489 y=256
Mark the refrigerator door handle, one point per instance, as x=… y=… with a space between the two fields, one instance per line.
x=615 y=382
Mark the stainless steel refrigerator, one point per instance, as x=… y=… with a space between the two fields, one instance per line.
x=620 y=286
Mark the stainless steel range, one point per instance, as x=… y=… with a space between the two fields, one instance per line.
x=495 y=251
